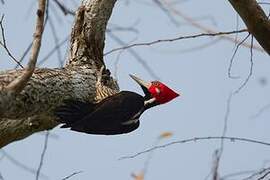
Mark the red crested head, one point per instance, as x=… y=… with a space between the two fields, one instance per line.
x=156 y=91
x=161 y=92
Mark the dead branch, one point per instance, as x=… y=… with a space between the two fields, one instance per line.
x=192 y=22
x=19 y=83
x=42 y=155
x=196 y=139
x=4 y=44
x=255 y=19
x=71 y=175
x=176 y=39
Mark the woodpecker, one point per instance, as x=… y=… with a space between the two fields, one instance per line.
x=116 y=114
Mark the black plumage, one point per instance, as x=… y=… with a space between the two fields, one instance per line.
x=116 y=114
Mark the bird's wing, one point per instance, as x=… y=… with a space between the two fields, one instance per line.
x=110 y=114
x=73 y=111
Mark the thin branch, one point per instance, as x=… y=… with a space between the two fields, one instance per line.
x=226 y=117
x=42 y=154
x=195 y=139
x=215 y=168
x=250 y=70
x=254 y=175
x=20 y=164
x=31 y=44
x=64 y=9
x=28 y=48
x=160 y=5
x=190 y=49
x=219 y=152
x=233 y=56
x=175 y=39
x=71 y=175
x=18 y=84
x=191 y=21
x=136 y=56
x=255 y=19
x=263 y=176
x=4 y=43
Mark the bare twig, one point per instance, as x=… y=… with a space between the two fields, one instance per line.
x=232 y=58
x=255 y=19
x=175 y=39
x=20 y=164
x=202 y=46
x=18 y=84
x=28 y=48
x=262 y=172
x=136 y=56
x=263 y=176
x=190 y=20
x=71 y=175
x=226 y=117
x=4 y=43
x=64 y=9
x=42 y=154
x=219 y=152
x=250 y=70
x=160 y=5
x=215 y=173
x=195 y=139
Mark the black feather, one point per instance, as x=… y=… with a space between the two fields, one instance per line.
x=73 y=111
x=107 y=117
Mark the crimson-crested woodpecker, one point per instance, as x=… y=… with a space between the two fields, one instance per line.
x=116 y=114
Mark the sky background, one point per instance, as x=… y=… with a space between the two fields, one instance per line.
x=200 y=76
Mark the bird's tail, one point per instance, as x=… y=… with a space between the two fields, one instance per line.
x=73 y=111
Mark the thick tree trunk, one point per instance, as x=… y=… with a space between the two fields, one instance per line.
x=31 y=110
x=255 y=19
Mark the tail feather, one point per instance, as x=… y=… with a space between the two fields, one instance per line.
x=73 y=111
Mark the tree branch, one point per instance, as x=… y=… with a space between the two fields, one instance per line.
x=32 y=110
x=19 y=83
x=88 y=34
x=196 y=139
x=255 y=19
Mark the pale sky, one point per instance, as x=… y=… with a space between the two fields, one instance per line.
x=199 y=75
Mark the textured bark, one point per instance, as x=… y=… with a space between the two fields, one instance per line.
x=255 y=20
x=31 y=110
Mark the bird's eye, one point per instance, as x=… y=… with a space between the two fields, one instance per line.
x=157 y=90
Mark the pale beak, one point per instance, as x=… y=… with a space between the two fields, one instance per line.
x=140 y=81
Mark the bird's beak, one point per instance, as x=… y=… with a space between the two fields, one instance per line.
x=140 y=81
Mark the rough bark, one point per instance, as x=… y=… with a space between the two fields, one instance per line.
x=255 y=19
x=31 y=110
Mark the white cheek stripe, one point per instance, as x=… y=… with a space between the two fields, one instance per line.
x=150 y=101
